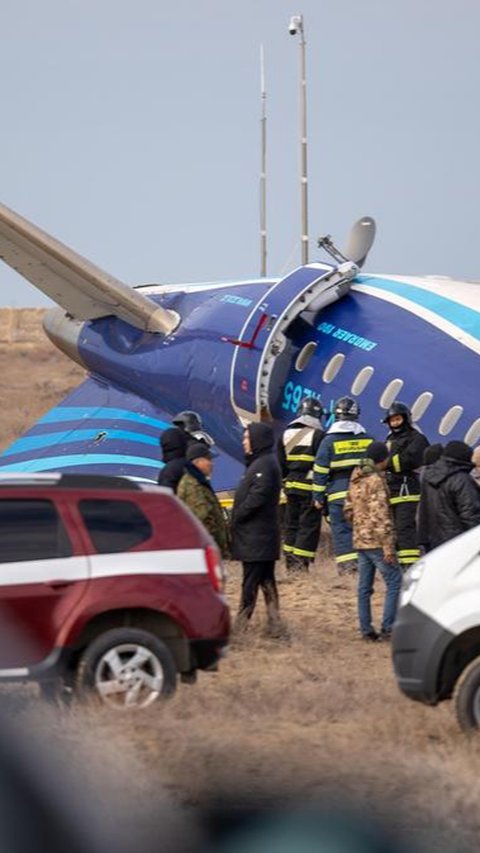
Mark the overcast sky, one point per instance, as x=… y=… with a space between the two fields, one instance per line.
x=131 y=131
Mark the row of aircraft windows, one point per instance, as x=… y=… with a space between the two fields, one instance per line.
x=392 y=392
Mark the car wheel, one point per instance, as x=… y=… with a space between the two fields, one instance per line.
x=126 y=668
x=467 y=697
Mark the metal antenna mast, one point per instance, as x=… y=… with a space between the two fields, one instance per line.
x=263 y=170
x=296 y=26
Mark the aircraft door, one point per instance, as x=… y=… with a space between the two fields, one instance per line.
x=262 y=339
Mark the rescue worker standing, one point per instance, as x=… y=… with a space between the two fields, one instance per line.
x=341 y=450
x=255 y=525
x=297 y=450
x=187 y=429
x=407 y=446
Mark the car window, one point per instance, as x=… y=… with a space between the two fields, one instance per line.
x=114 y=525
x=31 y=530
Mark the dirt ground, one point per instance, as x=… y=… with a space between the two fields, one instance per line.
x=318 y=719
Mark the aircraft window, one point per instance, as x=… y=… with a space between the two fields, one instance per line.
x=450 y=419
x=391 y=393
x=333 y=367
x=473 y=433
x=421 y=405
x=361 y=380
x=304 y=356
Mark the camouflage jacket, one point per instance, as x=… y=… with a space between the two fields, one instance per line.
x=367 y=508
x=203 y=502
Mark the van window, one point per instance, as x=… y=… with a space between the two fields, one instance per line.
x=31 y=530
x=114 y=525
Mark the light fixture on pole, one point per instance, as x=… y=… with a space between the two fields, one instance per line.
x=296 y=26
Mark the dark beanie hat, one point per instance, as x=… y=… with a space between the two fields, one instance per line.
x=377 y=451
x=199 y=450
x=432 y=453
x=459 y=450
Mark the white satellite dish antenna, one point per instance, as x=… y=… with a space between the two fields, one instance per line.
x=359 y=242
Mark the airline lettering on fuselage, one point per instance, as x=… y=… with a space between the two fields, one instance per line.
x=348 y=337
x=292 y=394
x=232 y=299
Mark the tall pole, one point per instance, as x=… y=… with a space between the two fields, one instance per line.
x=303 y=137
x=296 y=26
x=263 y=170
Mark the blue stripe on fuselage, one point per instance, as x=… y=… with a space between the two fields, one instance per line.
x=62 y=462
x=33 y=442
x=75 y=413
x=467 y=319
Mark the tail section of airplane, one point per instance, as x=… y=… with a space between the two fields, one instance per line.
x=100 y=429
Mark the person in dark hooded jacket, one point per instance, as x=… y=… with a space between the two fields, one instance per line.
x=187 y=429
x=255 y=524
x=174 y=443
x=449 y=500
x=407 y=446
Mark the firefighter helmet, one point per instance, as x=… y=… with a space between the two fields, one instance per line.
x=346 y=409
x=189 y=421
x=202 y=437
x=398 y=408
x=310 y=406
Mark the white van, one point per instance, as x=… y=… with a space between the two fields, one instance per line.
x=436 y=636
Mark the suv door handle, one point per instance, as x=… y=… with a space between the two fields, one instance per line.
x=58 y=584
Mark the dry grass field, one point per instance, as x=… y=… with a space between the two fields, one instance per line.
x=319 y=719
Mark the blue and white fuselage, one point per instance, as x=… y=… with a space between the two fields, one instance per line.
x=251 y=349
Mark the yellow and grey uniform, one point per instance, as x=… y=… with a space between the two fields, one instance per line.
x=297 y=450
x=344 y=446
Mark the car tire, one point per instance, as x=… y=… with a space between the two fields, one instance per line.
x=467 y=697
x=126 y=668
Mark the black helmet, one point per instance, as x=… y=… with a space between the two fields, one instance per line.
x=310 y=406
x=346 y=409
x=202 y=437
x=398 y=408
x=190 y=421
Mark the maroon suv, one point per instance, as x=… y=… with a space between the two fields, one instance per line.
x=106 y=586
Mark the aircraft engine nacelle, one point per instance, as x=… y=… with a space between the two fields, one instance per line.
x=64 y=331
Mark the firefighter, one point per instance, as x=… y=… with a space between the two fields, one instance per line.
x=407 y=446
x=187 y=429
x=297 y=450
x=340 y=451
x=190 y=423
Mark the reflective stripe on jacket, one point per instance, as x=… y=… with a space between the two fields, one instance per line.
x=339 y=453
x=297 y=460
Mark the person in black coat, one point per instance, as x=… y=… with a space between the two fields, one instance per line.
x=174 y=443
x=407 y=446
x=255 y=524
x=450 y=500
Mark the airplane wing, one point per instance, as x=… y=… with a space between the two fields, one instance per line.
x=81 y=288
x=100 y=429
